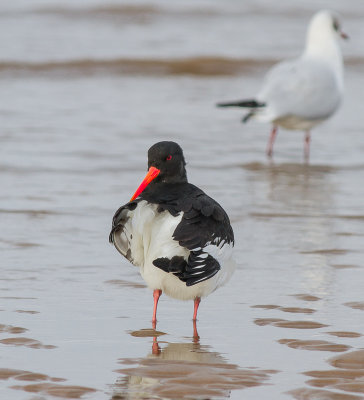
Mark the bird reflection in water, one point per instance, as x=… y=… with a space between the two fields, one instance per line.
x=156 y=348
x=182 y=370
x=299 y=202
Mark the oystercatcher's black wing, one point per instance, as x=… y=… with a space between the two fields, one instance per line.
x=204 y=229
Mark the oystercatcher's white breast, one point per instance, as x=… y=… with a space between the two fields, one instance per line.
x=148 y=235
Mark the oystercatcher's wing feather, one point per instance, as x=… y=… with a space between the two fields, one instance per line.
x=205 y=230
x=120 y=235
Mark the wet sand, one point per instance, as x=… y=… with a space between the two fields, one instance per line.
x=76 y=125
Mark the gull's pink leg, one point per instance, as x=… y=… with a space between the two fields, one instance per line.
x=272 y=137
x=156 y=294
x=196 y=304
x=307 y=145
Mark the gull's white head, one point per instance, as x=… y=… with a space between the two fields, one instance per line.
x=324 y=26
x=322 y=41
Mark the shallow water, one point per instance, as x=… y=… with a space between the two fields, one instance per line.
x=87 y=90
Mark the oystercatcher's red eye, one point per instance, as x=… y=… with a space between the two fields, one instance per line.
x=169 y=158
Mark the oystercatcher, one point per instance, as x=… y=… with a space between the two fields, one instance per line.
x=298 y=94
x=180 y=238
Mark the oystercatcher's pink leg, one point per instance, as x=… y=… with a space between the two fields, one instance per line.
x=307 y=145
x=196 y=337
x=156 y=294
x=196 y=303
x=272 y=138
x=156 y=350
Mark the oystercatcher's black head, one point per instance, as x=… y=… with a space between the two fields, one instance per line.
x=165 y=164
x=168 y=158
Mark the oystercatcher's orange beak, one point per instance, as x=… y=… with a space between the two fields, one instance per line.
x=152 y=174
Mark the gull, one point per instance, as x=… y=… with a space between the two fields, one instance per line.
x=301 y=93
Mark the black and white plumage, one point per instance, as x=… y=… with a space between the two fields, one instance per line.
x=180 y=238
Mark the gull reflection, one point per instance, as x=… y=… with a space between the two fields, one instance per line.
x=297 y=202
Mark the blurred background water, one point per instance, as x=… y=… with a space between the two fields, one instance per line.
x=87 y=88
